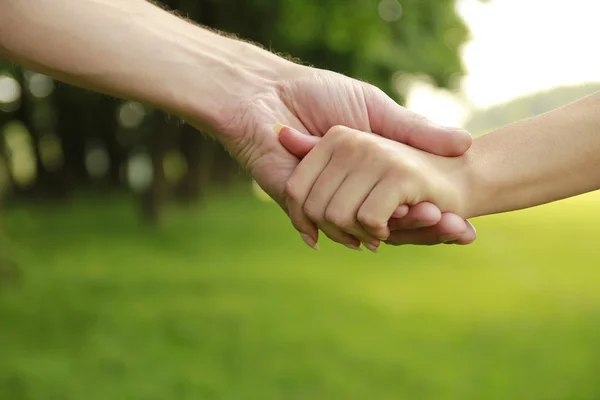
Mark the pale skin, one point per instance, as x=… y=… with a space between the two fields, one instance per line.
x=532 y=162
x=230 y=89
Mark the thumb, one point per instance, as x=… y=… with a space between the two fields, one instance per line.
x=391 y=120
x=297 y=143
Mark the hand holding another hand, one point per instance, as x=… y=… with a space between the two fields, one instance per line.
x=356 y=186
x=313 y=101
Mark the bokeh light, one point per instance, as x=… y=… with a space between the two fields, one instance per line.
x=22 y=162
x=10 y=93
x=390 y=10
x=40 y=85
x=131 y=115
x=97 y=159
x=139 y=171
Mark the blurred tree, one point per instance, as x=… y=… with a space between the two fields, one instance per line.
x=376 y=41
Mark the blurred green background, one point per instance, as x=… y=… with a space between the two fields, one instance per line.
x=138 y=262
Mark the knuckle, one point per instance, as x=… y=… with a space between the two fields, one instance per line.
x=313 y=211
x=340 y=133
x=291 y=191
x=336 y=130
x=372 y=221
x=338 y=220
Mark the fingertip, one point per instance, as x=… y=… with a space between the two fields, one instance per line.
x=421 y=215
x=425 y=214
x=308 y=229
x=451 y=225
x=401 y=211
x=459 y=141
x=294 y=141
x=468 y=237
x=278 y=127
x=383 y=234
x=310 y=241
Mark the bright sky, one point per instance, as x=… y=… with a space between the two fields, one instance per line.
x=517 y=47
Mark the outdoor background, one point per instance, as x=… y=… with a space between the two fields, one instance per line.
x=138 y=262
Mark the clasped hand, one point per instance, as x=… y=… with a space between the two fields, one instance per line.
x=357 y=187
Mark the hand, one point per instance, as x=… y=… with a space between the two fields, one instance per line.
x=351 y=183
x=313 y=101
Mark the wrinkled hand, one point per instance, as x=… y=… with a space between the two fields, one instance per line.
x=313 y=101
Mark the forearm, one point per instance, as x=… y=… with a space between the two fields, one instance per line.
x=539 y=160
x=133 y=49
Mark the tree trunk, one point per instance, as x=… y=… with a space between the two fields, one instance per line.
x=199 y=153
x=70 y=127
x=161 y=140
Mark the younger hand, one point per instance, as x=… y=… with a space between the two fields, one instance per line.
x=352 y=183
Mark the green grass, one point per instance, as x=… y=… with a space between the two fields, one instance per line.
x=225 y=302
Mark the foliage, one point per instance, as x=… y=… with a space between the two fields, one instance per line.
x=226 y=302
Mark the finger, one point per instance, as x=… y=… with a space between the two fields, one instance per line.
x=309 y=232
x=294 y=141
x=343 y=209
x=337 y=235
x=451 y=227
x=468 y=237
x=419 y=216
x=377 y=209
x=297 y=189
x=401 y=211
x=395 y=122
x=319 y=198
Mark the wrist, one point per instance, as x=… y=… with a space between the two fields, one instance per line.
x=475 y=184
x=225 y=75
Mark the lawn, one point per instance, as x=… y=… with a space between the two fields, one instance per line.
x=225 y=302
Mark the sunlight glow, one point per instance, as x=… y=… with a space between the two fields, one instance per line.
x=518 y=47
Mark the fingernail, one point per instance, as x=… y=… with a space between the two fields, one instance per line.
x=353 y=247
x=448 y=238
x=309 y=241
x=277 y=128
x=371 y=247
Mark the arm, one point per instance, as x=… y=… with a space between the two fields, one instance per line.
x=135 y=50
x=535 y=161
